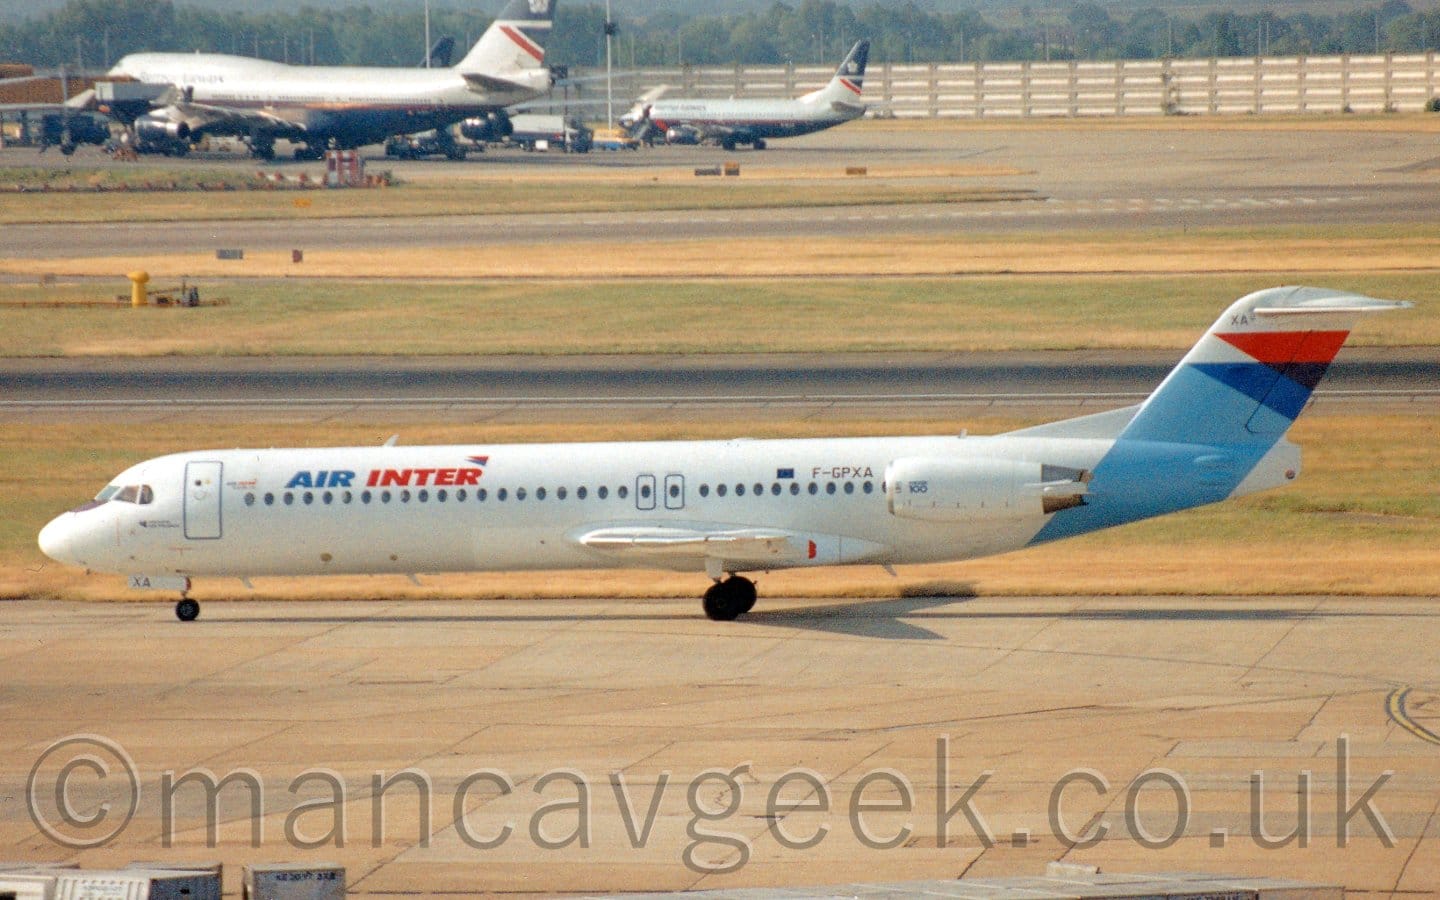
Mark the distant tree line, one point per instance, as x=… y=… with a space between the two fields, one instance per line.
x=95 y=33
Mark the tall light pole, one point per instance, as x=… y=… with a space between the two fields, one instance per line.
x=426 y=51
x=609 y=86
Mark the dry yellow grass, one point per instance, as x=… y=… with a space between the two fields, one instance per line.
x=1349 y=526
x=1170 y=254
x=571 y=190
x=701 y=316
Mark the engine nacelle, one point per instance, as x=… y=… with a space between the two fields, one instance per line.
x=682 y=134
x=150 y=128
x=488 y=128
x=962 y=490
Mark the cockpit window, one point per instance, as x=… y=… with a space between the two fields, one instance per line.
x=131 y=493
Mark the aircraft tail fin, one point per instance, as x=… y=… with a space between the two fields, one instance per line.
x=514 y=42
x=1215 y=427
x=438 y=57
x=849 y=79
x=1252 y=373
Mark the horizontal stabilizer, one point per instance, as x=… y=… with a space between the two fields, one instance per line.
x=1102 y=426
x=491 y=84
x=1335 y=304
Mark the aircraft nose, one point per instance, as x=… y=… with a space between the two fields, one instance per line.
x=57 y=539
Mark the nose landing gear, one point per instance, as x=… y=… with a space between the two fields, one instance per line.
x=727 y=600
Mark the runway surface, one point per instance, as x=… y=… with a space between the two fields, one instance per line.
x=925 y=737
x=1080 y=178
x=746 y=384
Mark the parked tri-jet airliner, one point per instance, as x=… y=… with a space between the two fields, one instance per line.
x=1214 y=428
x=340 y=106
x=752 y=121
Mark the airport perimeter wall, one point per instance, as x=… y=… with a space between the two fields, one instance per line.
x=1228 y=86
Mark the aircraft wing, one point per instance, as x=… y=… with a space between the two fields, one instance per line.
x=206 y=116
x=691 y=542
x=721 y=548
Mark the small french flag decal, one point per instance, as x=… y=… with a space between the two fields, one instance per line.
x=784 y=473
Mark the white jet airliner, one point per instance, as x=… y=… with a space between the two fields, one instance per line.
x=344 y=106
x=750 y=120
x=1213 y=429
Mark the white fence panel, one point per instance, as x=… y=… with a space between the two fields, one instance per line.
x=1226 y=86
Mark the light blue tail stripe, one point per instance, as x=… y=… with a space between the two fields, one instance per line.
x=1140 y=479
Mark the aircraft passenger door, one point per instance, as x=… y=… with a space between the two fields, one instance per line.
x=645 y=492
x=674 y=491
x=202 y=500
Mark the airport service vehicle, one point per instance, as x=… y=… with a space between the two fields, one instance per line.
x=437 y=142
x=321 y=107
x=1214 y=429
x=531 y=131
x=67 y=131
x=613 y=139
x=730 y=123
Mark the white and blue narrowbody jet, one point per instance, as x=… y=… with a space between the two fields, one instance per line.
x=343 y=107
x=753 y=121
x=1214 y=429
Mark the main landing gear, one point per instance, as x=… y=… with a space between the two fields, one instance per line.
x=727 y=600
x=187 y=610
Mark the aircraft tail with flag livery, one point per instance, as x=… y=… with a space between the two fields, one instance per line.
x=1215 y=427
x=844 y=89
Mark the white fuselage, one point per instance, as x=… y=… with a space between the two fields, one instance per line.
x=757 y=118
x=354 y=104
x=549 y=506
x=1215 y=428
